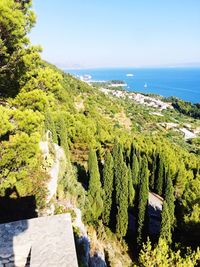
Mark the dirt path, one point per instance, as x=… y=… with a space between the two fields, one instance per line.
x=54 y=172
x=55 y=168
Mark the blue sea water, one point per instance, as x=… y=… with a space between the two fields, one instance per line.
x=183 y=83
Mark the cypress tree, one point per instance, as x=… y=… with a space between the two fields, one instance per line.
x=153 y=172
x=122 y=215
x=165 y=229
x=115 y=154
x=135 y=170
x=160 y=175
x=95 y=191
x=116 y=162
x=169 y=196
x=121 y=191
x=108 y=175
x=131 y=190
x=143 y=202
x=118 y=171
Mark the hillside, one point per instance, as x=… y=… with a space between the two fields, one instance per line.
x=116 y=151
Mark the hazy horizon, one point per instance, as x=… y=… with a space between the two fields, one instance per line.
x=189 y=65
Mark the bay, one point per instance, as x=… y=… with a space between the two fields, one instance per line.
x=183 y=83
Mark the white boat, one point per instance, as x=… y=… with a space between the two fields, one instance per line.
x=145 y=85
x=85 y=77
x=129 y=75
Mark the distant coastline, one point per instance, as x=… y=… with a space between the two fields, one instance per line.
x=180 y=82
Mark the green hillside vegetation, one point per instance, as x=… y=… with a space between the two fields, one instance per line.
x=187 y=108
x=116 y=151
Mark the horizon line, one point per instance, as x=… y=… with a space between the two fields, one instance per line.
x=129 y=67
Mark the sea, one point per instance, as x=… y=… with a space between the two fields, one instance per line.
x=183 y=83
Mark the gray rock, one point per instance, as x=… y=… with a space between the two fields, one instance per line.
x=10 y=264
x=97 y=260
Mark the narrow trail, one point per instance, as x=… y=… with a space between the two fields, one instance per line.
x=54 y=170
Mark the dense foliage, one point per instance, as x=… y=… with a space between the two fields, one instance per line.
x=187 y=108
x=162 y=255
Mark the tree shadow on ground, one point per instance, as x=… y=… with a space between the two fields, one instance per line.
x=14 y=208
x=14 y=212
x=82 y=175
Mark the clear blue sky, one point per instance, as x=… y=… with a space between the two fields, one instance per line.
x=117 y=33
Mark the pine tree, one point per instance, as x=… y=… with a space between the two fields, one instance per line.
x=169 y=196
x=95 y=191
x=16 y=23
x=122 y=215
x=131 y=190
x=165 y=229
x=160 y=175
x=143 y=202
x=135 y=170
x=108 y=176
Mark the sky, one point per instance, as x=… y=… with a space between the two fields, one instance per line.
x=118 y=33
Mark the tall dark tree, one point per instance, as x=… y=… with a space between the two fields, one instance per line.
x=115 y=153
x=165 y=229
x=135 y=170
x=95 y=191
x=116 y=160
x=108 y=176
x=121 y=190
x=153 y=171
x=118 y=171
x=169 y=196
x=143 y=202
x=122 y=214
x=131 y=190
x=160 y=175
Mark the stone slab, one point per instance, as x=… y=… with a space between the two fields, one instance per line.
x=55 y=245
x=49 y=239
